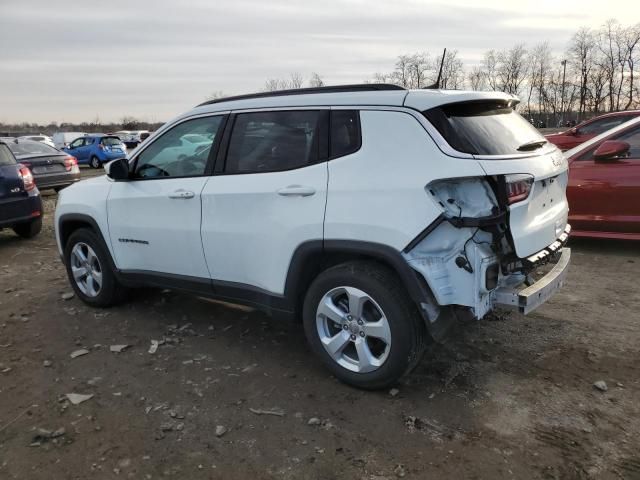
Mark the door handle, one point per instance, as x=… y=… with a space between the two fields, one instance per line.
x=296 y=191
x=182 y=194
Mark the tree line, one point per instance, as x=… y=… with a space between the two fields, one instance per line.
x=599 y=71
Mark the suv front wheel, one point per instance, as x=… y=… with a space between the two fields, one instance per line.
x=89 y=269
x=360 y=321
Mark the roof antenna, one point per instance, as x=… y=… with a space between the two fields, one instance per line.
x=437 y=84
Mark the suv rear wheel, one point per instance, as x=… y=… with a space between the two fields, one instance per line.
x=362 y=324
x=89 y=269
x=28 y=229
x=95 y=162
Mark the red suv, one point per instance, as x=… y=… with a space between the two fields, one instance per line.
x=589 y=129
x=604 y=185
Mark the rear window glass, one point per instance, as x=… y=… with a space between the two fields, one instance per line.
x=29 y=147
x=111 y=141
x=484 y=128
x=5 y=156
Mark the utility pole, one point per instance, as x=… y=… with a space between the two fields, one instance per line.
x=564 y=74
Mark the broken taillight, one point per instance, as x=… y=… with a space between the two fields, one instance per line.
x=518 y=187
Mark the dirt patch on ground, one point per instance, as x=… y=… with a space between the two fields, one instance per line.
x=230 y=393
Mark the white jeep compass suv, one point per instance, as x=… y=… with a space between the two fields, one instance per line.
x=374 y=214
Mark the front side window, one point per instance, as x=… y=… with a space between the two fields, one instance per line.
x=632 y=137
x=273 y=141
x=345 y=132
x=77 y=143
x=174 y=154
x=485 y=128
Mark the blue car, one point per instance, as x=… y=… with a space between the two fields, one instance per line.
x=96 y=149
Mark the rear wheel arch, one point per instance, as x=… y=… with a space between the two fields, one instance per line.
x=312 y=258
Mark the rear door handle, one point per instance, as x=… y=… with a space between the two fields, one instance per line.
x=296 y=191
x=182 y=194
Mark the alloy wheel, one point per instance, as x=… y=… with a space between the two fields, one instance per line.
x=86 y=269
x=353 y=329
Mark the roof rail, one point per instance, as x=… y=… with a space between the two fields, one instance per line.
x=362 y=87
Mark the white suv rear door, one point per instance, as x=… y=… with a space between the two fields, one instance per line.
x=154 y=218
x=268 y=196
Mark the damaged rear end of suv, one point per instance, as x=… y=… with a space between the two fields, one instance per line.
x=494 y=231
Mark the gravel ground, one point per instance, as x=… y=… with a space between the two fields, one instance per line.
x=233 y=394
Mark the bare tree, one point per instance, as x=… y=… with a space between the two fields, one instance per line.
x=215 y=95
x=129 y=123
x=316 y=80
x=477 y=79
x=402 y=73
x=490 y=69
x=512 y=68
x=580 y=53
x=295 y=80
x=452 y=70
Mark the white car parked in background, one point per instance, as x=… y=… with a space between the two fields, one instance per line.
x=63 y=139
x=375 y=214
x=39 y=138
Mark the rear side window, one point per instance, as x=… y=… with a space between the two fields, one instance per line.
x=484 y=128
x=599 y=126
x=6 y=158
x=345 y=132
x=273 y=141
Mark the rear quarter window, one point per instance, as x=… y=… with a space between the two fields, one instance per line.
x=6 y=157
x=483 y=128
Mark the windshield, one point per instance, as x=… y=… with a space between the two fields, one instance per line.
x=5 y=156
x=32 y=148
x=111 y=141
x=484 y=128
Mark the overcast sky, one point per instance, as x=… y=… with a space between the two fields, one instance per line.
x=64 y=60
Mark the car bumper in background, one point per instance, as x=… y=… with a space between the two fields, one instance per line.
x=20 y=210
x=53 y=180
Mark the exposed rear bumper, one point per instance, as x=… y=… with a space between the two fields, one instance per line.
x=530 y=298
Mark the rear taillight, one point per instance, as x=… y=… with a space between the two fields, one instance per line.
x=70 y=162
x=518 y=187
x=27 y=177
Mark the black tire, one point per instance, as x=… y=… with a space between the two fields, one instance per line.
x=95 y=162
x=381 y=284
x=111 y=292
x=28 y=229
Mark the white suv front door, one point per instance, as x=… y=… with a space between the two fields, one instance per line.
x=154 y=218
x=268 y=199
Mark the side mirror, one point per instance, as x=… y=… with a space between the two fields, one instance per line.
x=572 y=131
x=611 y=149
x=117 y=169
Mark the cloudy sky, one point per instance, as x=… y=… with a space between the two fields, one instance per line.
x=67 y=60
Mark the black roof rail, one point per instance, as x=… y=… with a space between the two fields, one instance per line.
x=361 y=87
